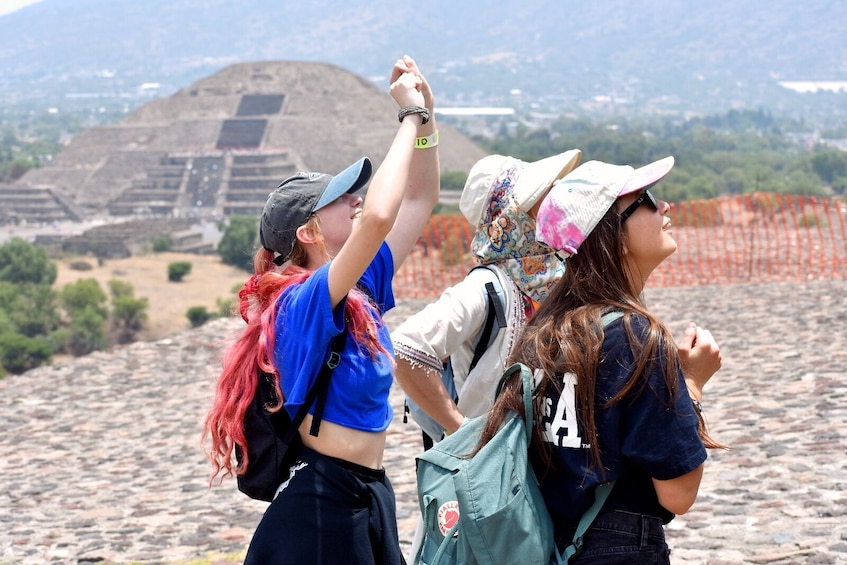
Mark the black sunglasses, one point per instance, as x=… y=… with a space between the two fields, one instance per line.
x=645 y=197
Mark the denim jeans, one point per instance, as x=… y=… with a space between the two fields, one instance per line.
x=620 y=537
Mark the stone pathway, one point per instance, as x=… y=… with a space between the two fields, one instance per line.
x=100 y=457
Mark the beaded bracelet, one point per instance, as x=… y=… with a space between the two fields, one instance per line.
x=406 y=110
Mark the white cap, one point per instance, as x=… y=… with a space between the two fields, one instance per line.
x=578 y=202
x=531 y=182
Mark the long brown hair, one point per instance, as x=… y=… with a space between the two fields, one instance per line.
x=565 y=335
x=239 y=376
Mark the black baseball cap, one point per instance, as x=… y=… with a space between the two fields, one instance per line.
x=298 y=197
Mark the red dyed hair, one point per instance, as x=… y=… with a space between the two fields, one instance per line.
x=250 y=352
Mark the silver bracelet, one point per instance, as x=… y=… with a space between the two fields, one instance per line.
x=406 y=110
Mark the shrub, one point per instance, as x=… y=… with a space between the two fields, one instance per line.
x=82 y=294
x=80 y=266
x=198 y=315
x=60 y=340
x=120 y=289
x=239 y=242
x=177 y=270
x=129 y=315
x=161 y=243
x=19 y=353
x=226 y=307
x=88 y=332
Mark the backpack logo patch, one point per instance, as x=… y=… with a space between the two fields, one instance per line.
x=448 y=516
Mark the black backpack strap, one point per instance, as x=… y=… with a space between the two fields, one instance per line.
x=322 y=382
x=494 y=312
x=427 y=441
x=318 y=391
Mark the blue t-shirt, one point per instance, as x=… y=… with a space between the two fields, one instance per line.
x=644 y=435
x=305 y=325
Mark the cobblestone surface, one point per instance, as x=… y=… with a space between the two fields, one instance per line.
x=100 y=457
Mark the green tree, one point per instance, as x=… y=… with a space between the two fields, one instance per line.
x=83 y=294
x=829 y=164
x=19 y=353
x=29 y=308
x=88 y=332
x=740 y=152
x=239 y=242
x=803 y=182
x=129 y=314
x=86 y=304
x=23 y=262
x=178 y=270
x=119 y=288
x=734 y=181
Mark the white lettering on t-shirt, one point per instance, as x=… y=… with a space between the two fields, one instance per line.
x=563 y=431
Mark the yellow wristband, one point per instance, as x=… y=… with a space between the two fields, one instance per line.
x=427 y=142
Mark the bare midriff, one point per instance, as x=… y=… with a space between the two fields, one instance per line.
x=356 y=446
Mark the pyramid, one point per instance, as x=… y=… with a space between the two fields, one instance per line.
x=218 y=147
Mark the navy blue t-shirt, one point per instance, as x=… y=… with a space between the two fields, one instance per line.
x=645 y=435
x=305 y=326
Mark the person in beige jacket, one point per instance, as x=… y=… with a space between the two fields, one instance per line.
x=500 y=198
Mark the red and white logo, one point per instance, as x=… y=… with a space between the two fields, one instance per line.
x=448 y=516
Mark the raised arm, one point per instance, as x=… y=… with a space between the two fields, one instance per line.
x=424 y=177
x=386 y=193
x=700 y=357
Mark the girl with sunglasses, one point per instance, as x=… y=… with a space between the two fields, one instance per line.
x=616 y=400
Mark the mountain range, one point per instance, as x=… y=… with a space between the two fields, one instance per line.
x=677 y=56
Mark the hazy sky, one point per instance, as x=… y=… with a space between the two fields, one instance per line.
x=7 y=6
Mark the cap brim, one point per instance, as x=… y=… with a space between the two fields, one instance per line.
x=350 y=179
x=647 y=175
x=475 y=195
x=537 y=177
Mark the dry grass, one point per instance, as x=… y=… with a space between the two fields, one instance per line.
x=208 y=281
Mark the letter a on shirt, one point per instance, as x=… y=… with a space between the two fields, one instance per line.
x=563 y=430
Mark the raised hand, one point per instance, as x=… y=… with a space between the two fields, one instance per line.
x=700 y=356
x=412 y=67
x=406 y=87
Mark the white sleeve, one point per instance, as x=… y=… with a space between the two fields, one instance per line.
x=442 y=327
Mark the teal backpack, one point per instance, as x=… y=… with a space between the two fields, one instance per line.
x=488 y=508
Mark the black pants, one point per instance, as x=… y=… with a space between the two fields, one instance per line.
x=619 y=537
x=329 y=512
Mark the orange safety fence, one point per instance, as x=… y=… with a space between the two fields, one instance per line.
x=761 y=237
